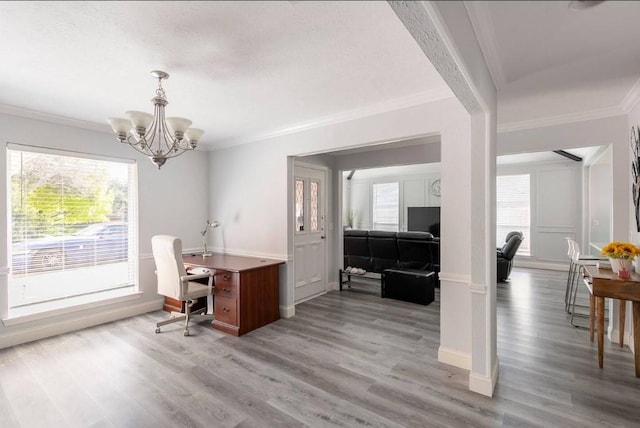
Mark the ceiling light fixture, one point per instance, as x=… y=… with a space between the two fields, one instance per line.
x=153 y=135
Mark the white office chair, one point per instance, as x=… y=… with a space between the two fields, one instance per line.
x=174 y=282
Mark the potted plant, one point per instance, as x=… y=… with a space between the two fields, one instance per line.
x=621 y=255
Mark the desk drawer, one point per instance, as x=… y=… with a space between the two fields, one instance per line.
x=226 y=310
x=226 y=284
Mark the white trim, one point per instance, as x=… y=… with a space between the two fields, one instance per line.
x=632 y=98
x=614 y=334
x=333 y=286
x=69 y=310
x=483 y=27
x=287 y=311
x=310 y=297
x=54 y=328
x=30 y=148
x=478 y=288
x=344 y=116
x=454 y=277
x=538 y=265
x=52 y=118
x=561 y=119
x=454 y=358
x=482 y=384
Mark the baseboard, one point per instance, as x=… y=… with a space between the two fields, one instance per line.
x=332 y=286
x=454 y=358
x=54 y=328
x=484 y=384
x=287 y=311
x=540 y=265
x=614 y=335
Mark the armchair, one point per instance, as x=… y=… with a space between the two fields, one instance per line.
x=506 y=254
x=174 y=282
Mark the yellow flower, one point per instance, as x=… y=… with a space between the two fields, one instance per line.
x=620 y=250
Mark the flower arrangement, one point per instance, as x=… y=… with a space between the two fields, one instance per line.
x=620 y=250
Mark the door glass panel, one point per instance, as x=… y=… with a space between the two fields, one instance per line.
x=313 y=209
x=299 y=205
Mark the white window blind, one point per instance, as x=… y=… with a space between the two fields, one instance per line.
x=386 y=206
x=513 y=209
x=72 y=221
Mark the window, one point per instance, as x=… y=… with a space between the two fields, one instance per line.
x=513 y=209
x=72 y=227
x=386 y=206
x=299 y=205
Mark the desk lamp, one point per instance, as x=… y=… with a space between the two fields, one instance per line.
x=210 y=225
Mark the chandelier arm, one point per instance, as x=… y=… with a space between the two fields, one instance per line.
x=136 y=146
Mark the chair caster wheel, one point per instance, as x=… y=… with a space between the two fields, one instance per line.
x=186 y=332
x=157 y=330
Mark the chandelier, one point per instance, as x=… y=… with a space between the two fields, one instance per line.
x=155 y=136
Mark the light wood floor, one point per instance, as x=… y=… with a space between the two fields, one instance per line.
x=347 y=359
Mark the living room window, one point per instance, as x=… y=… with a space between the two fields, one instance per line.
x=513 y=209
x=386 y=206
x=72 y=227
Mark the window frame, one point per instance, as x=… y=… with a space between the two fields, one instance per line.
x=104 y=296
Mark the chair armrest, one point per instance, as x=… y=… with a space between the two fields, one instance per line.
x=185 y=281
x=192 y=277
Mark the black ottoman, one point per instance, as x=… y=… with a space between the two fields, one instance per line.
x=409 y=285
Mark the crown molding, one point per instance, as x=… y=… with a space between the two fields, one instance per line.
x=561 y=119
x=345 y=116
x=52 y=118
x=632 y=98
x=483 y=27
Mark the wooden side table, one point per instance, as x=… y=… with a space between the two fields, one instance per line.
x=604 y=283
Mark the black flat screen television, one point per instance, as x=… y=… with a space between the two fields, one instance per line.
x=424 y=219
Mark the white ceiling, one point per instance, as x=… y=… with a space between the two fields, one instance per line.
x=239 y=70
x=246 y=70
x=552 y=62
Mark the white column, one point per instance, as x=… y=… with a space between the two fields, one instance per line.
x=456 y=240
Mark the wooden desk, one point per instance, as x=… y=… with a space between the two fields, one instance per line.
x=604 y=283
x=246 y=293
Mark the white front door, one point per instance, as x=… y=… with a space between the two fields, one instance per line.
x=310 y=259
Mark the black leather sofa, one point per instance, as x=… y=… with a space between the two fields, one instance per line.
x=506 y=254
x=408 y=262
x=375 y=250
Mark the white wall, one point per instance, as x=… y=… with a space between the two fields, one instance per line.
x=601 y=132
x=556 y=201
x=634 y=235
x=415 y=191
x=600 y=177
x=173 y=200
